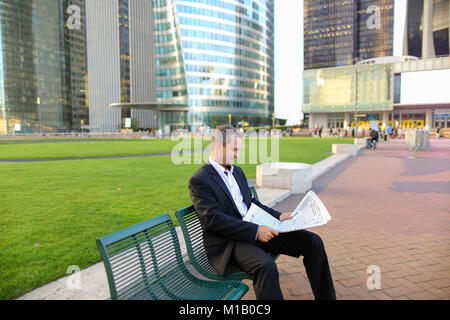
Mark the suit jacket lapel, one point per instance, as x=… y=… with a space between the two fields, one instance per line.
x=215 y=176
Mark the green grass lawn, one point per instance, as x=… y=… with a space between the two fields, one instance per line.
x=52 y=212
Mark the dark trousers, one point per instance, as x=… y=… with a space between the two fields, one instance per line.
x=255 y=260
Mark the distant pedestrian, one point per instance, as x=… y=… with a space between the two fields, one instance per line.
x=320 y=131
x=389 y=131
x=439 y=132
x=395 y=133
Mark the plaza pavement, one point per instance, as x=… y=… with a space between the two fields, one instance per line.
x=389 y=208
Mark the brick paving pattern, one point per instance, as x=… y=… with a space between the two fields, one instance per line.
x=390 y=208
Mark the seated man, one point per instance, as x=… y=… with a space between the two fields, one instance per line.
x=372 y=139
x=221 y=197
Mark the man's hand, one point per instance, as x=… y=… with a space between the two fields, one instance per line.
x=286 y=216
x=265 y=233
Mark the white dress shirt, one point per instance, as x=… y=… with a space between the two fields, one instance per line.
x=232 y=185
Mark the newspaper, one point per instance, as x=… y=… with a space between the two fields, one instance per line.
x=310 y=212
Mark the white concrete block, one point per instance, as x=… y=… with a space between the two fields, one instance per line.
x=360 y=142
x=296 y=177
x=350 y=149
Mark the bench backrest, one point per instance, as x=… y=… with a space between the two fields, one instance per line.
x=139 y=258
x=191 y=226
x=253 y=191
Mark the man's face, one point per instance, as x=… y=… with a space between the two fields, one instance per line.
x=230 y=151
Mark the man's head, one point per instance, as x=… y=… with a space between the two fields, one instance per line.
x=225 y=144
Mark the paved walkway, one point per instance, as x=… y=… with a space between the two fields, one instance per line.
x=390 y=208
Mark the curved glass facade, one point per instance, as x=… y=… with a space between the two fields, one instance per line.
x=170 y=76
x=169 y=66
x=228 y=58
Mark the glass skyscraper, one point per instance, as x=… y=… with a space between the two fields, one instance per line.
x=228 y=50
x=427 y=28
x=170 y=75
x=339 y=33
x=42 y=67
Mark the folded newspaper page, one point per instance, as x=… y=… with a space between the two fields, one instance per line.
x=310 y=212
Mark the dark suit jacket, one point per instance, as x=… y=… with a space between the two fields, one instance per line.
x=222 y=223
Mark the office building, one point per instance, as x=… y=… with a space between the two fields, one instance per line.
x=181 y=63
x=42 y=66
x=406 y=91
x=342 y=32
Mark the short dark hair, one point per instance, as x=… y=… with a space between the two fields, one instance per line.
x=224 y=133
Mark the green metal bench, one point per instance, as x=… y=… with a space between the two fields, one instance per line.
x=144 y=261
x=193 y=236
x=253 y=191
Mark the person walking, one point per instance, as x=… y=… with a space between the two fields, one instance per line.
x=389 y=131
x=438 y=132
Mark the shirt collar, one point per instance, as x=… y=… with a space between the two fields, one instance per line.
x=218 y=167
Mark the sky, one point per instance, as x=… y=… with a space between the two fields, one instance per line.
x=289 y=55
x=288 y=59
